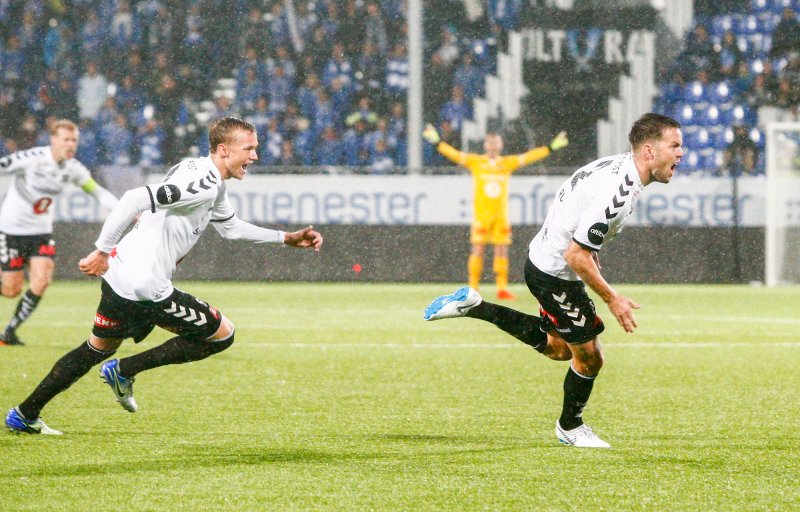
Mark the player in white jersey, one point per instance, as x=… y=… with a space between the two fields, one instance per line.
x=137 y=292
x=38 y=175
x=588 y=210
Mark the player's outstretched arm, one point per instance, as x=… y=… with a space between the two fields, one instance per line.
x=559 y=141
x=583 y=263
x=102 y=195
x=306 y=237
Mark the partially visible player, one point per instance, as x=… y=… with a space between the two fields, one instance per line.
x=588 y=210
x=26 y=217
x=136 y=290
x=490 y=223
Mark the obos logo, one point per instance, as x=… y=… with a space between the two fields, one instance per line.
x=597 y=233
x=168 y=194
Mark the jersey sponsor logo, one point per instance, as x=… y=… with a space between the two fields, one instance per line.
x=104 y=322
x=168 y=194
x=597 y=233
x=16 y=262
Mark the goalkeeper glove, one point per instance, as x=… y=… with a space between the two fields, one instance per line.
x=430 y=134
x=559 y=142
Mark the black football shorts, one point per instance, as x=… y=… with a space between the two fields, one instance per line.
x=564 y=305
x=16 y=250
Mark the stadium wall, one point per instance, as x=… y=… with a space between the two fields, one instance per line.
x=396 y=253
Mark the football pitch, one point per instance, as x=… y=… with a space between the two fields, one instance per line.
x=339 y=396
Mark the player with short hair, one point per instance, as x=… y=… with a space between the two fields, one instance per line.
x=26 y=217
x=137 y=291
x=588 y=210
x=490 y=224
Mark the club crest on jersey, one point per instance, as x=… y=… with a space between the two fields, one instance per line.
x=597 y=233
x=168 y=194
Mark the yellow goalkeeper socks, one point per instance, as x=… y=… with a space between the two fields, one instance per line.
x=500 y=268
x=474 y=270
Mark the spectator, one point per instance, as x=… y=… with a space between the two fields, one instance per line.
x=759 y=94
x=457 y=110
x=469 y=77
x=699 y=53
x=92 y=92
x=329 y=24
x=260 y=116
x=381 y=160
x=65 y=101
x=150 y=140
x=363 y=112
x=123 y=34
x=249 y=90
x=272 y=143
x=283 y=60
x=397 y=72
x=192 y=84
x=157 y=72
x=375 y=29
x=92 y=37
x=354 y=145
x=370 y=68
x=292 y=120
x=324 y=115
x=742 y=153
x=12 y=68
x=307 y=21
x=130 y=97
x=192 y=49
x=307 y=96
x=279 y=26
x=43 y=99
x=352 y=27
x=329 y=150
x=340 y=99
x=288 y=157
x=27 y=132
x=223 y=107
x=255 y=33
x=108 y=112
x=396 y=125
x=90 y=148
x=117 y=140
x=58 y=48
x=729 y=55
x=159 y=33
x=448 y=50
x=305 y=143
x=786 y=37
x=338 y=66
x=251 y=61
x=788 y=94
x=279 y=91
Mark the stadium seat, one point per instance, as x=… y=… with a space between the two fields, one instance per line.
x=747 y=25
x=721 y=24
x=721 y=92
x=709 y=116
x=671 y=92
x=757 y=136
x=695 y=92
x=684 y=114
x=690 y=161
x=720 y=137
x=761 y=6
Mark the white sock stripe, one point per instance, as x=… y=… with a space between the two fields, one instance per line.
x=579 y=374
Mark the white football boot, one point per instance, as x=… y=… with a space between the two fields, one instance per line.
x=453 y=305
x=581 y=437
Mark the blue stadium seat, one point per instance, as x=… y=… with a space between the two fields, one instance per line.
x=709 y=116
x=695 y=92
x=720 y=136
x=761 y=6
x=721 y=24
x=721 y=92
x=747 y=25
x=757 y=136
x=684 y=114
x=690 y=161
x=671 y=92
x=709 y=160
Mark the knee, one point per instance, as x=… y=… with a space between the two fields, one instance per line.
x=591 y=365
x=38 y=286
x=225 y=330
x=12 y=291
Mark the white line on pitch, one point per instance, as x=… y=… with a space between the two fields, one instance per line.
x=705 y=344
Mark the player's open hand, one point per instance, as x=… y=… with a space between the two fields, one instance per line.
x=306 y=237
x=95 y=264
x=622 y=309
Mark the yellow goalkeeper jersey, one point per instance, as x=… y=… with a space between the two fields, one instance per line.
x=491 y=176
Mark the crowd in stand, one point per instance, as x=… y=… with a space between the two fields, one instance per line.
x=324 y=82
x=745 y=63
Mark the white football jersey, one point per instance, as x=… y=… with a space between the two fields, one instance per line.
x=36 y=179
x=589 y=208
x=191 y=195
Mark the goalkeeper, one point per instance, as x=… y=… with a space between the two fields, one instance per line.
x=490 y=224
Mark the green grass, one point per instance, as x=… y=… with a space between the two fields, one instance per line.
x=341 y=397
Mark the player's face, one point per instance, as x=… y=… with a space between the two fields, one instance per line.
x=667 y=154
x=493 y=145
x=64 y=144
x=240 y=153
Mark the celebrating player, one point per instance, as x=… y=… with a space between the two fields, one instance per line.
x=137 y=292
x=26 y=217
x=589 y=210
x=490 y=223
